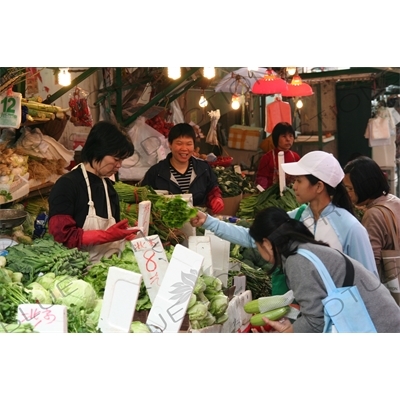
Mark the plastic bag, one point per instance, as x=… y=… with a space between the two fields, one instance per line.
x=150 y=147
x=80 y=111
x=212 y=137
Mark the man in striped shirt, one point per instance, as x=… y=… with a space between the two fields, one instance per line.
x=180 y=172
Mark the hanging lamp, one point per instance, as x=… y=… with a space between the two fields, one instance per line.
x=297 y=88
x=270 y=83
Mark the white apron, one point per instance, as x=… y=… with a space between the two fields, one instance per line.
x=94 y=222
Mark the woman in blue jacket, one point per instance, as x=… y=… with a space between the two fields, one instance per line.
x=328 y=214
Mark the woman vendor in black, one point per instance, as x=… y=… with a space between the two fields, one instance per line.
x=84 y=207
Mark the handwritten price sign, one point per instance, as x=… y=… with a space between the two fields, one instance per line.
x=44 y=317
x=144 y=216
x=152 y=261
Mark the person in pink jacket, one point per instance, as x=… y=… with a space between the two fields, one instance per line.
x=283 y=136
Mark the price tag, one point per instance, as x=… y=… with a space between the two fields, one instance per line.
x=144 y=216
x=202 y=245
x=153 y=262
x=10 y=110
x=220 y=249
x=45 y=318
x=119 y=300
x=169 y=308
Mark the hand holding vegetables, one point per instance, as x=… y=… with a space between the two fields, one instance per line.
x=282 y=326
x=198 y=220
x=115 y=232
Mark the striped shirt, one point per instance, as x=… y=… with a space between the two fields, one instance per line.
x=183 y=179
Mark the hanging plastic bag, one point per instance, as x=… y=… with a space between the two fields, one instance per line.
x=10 y=109
x=212 y=136
x=80 y=111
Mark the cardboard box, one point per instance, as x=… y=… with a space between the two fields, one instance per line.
x=231 y=205
x=244 y=137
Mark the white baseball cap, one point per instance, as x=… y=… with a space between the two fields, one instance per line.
x=321 y=164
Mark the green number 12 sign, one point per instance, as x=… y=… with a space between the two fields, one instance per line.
x=10 y=110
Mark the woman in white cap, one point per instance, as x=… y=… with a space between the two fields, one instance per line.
x=328 y=214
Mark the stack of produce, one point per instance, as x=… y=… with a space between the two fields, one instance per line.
x=232 y=183
x=271 y=307
x=251 y=205
x=13 y=171
x=38 y=111
x=208 y=303
x=167 y=214
x=45 y=255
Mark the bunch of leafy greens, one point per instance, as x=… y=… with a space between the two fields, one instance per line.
x=97 y=274
x=174 y=212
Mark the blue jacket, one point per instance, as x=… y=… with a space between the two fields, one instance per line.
x=203 y=179
x=336 y=226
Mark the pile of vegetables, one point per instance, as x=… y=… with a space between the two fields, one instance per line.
x=97 y=274
x=232 y=183
x=271 y=307
x=167 y=214
x=251 y=205
x=208 y=303
x=12 y=293
x=45 y=255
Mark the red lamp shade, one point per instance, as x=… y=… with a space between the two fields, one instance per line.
x=269 y=84
x=297 y=88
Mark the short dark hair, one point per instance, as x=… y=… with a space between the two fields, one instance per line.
x=106 y=139
x=181 y=130
x=367 y=178
x=281 y=128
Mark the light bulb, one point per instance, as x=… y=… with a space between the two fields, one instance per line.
x=174 y=72
x=291 y=70
x=209 y=72
x=64 y=77
x=299 y=103
x=235 y=102
x=203 y=101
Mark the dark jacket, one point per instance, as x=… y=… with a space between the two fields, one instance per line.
x=203 y=179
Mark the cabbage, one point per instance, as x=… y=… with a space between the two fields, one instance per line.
x=72 y=291
x=219 y=305
x=212 y=282
x=92 y=319
x=192 y=300
x=139 y=327
x=46 y=280
x=200 y=285
x=222 y=318
x=198 y=311
x=37 y=293
x=207 y=321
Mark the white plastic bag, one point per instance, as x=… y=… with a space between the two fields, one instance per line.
x=150 y=147
x=212 y=137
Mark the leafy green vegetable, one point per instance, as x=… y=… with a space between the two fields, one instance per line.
x=139 y=327
x=174 y=212
x=37 y=293
x=219 y=304
x=198 y=311
x=69 y=291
